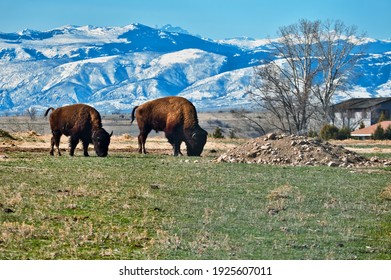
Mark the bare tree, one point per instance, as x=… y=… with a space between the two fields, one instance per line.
x=254 y=123
x=32 y=113
x=339 y=48
x=311 y=62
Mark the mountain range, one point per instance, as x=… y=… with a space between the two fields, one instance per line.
x=116 y=68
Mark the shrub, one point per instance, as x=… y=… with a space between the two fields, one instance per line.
x=232 y=134
x=329 y=131
x=387 y=133
x=343 y=133
x=218 y=133
x=312 y=134
x=382 y=117
x=378 y=134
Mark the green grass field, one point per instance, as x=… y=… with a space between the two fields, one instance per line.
x=130 y=206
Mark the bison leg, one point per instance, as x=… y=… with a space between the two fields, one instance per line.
x=142 y=138
x=55 y=141
x=177 y=149
x=176 y=144
x=72 y=145
x=85 y=147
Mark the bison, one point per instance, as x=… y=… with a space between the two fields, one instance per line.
x=177 y=117
x=80 y=122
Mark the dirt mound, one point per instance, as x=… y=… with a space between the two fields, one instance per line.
x=296 y=151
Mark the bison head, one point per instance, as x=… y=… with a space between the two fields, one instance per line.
x=101 y=141
x=195 y=144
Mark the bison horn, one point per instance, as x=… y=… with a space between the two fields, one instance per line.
x=193 y=135
x=111 y=134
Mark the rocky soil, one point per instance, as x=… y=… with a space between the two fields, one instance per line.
x=296 y=150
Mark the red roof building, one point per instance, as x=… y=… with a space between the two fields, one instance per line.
x=368 y=131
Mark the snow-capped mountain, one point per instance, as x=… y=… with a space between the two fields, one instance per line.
x=116 y=68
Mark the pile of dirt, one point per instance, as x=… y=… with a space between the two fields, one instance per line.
x=296 y=151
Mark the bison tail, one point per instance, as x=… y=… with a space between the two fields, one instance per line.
x=47 y=111
x=134 y=110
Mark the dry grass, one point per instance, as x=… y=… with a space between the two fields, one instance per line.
x=282 y=192
x=280 y=197
x=386 y=193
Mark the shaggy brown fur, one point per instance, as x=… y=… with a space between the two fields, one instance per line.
x=177 y=117
x=80 y=122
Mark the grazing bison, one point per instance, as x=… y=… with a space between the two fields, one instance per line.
x=80 y=122
x=177 y=117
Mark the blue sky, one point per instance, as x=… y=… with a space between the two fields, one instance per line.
x=217 y=19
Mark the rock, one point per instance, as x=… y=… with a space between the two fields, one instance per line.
x=271 y=136
x=252 y=154
x=374 y=159
x=155 y=186
x=8 y=210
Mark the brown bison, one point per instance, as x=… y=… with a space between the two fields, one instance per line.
x=80 y=122
x=177 y=117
